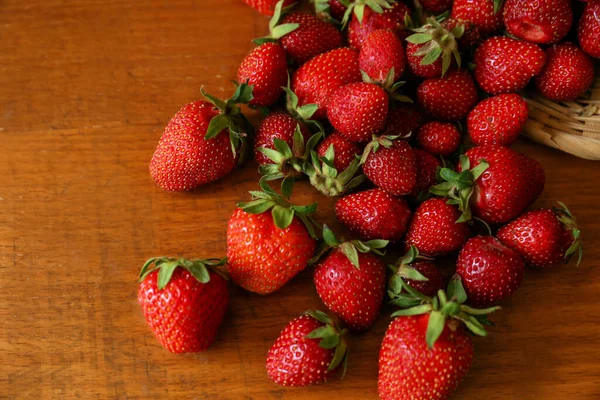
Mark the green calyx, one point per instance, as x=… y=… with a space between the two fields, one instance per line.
x=323 y=10
x=332 y=337
x=401 y=293
x=458 y=187
x=230 y=117
x=449 y=305
x=282 y=211
x=325 y=177
x=358 y=8
x=376 y=144
x=498 y=6
x=437 y=42
x=350 y=248
x=277 y=31
x=392 y=88
x=565 y=216
x=166 y=266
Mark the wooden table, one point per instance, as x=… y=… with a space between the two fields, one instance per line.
x=86 y=89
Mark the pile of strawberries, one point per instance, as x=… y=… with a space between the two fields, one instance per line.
x=406 y=113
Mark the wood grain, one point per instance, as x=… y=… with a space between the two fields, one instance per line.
x=86 y=89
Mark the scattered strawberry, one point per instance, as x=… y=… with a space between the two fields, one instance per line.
x=350 y=280
x=438 y=138
x=544 y=237
x=434 y=229
x=402 y=120
x=345 y=151
x=505 y=65
x=308 y=351
x=542 y=21
x=490 y=271
x=568 y=73
x=268 y=241
x=427 y=166
x=265 y=68
x=183 y=301
x=315 y=81
x=358 y=110
x=485 y=14
x=374 y=214
x=267 y=7
x=588 y=31
x=277 y=125
x=470 y=36
x=189 y=154
x=498 y=119
x=416 y=271
x=391 y=18
x=449 y=98
x=436 y=6
x=381 y=52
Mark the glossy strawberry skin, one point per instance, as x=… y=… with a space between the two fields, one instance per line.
x=409 y=370
x=185 y=316
x=512 y=183
x=490 y=271
x=539 y=237
x=315 y=81
x=358 y=110
x=266 y=7
x=433 y=70
x=374 y=214
x=310 y=39
x=435 y=281
x=392 y=19
x=183 y=159
x=438 y=138
x=345 y=150
x=427 y=166
x=277 y=125
x=392 y=169
x=588 y=30
x=402 y=120
x=295 y=360
x=354 y=294
x=542 y=22
x=262 y=258
x=568 y=73
x=266 y=69
x=433 y=229
x=436 y=6
x=498 y=119
x=449 y=98
x=381 y=51
x=505 y=65
x=479 y=12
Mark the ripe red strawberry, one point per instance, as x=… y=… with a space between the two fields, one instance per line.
x=402 y=120
x=390 y=164
x=330 y=10
x=266 y=69
x=374 y=214
x=438 y=138
x=427 y=166
x=267 y=7
x=416 y=271
x=277 y=125
x=436 y=6
x=315 y=81
x=268 y=241
x=588 y=30
x=183 y=302
x=308 y=351
x=490 y=271
x=391 y=18
x=485 y=14
x=505 y=65
x=433 y=229
x=544 y=237
x=568 y=73
x=542 y=22
x=189 y=154
x=498 y=119
x=358 y=110
x=470 y=36
x=381 y=51
x=350 y=280
x=449 y=98
x=345 y=150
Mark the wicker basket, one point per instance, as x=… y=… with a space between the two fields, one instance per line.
x=573 y=127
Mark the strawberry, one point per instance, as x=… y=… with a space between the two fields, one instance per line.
x=350 y=280
x=485 y=14
x=266 y=69
x=498 y=119
x=449 y=98
x=568 y=73
x=542 y=22
x=436 y=6
x=267 y=249
x=439 y=138
x=277 y=125
x=470 y=35
x=505 y=65
x=358 y=110
x=345 y=150
x=201 y=143
x=315 y=81
x=416 y=271
x=183 y=301
x=374 y=214
x=391 y=18
x=390 y=164
x=490 y=271
x=402 y=120
x=501 y=184
x=267 y=7
x=330 y=10
x=427 y=166
x=382 y=52
x=299 y=358
x=544 y=237
x=588 y=30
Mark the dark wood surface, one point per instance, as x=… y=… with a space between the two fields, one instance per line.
x=86 y=88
